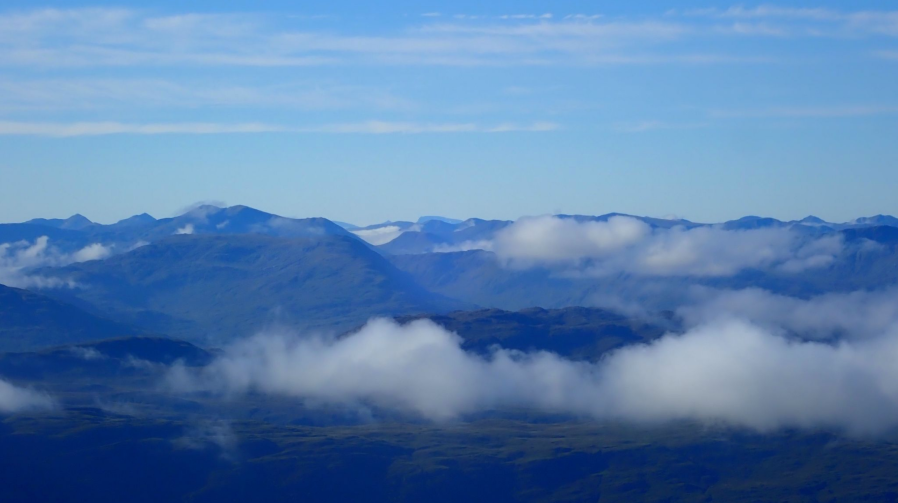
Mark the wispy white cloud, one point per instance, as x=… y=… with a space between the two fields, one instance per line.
x=17 y=258
x=806 y=21
x=186 y=230
x=765 y=11
x=106 y=128
x=380 y=235
x=98 y=93
x=15 y=399
x=117 y=37
x=820 y=112
x=369 y=127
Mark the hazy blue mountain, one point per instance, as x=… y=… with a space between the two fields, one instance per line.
x=137 y=220
x=574 y=332
x=346 y=225
x=752 y=222
x=414 y=242
x=477 y=276
x=218 y=287
x=425 y=219
x=869 y=261
x=29 y=321
x=876 y=220
x=63 y=238
x=75 y=222
x=401 y=224
x=425 y=237
x=242 y=220
x=660 y=223
x=77 y=232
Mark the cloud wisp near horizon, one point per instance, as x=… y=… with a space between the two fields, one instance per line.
x=152 y=42
x=624 y=244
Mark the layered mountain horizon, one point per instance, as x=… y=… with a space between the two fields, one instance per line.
x=214 y=273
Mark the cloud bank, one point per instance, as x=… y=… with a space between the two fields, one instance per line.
x=624 y=244
x=855 y=315
x=18 y=257
x=15 y=399
x=730 y=372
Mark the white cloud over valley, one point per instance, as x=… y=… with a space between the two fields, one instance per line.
x=727 y=372
x=623 y=244
x=17 y=258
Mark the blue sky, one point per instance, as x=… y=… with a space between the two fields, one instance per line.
x=364 y=111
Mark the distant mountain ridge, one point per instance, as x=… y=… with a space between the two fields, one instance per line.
x=77 y=230
x=427 y=234
x=217 y=287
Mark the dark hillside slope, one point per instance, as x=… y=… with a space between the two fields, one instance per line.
x=30 y=321
x=574 y=332
x=213 y=288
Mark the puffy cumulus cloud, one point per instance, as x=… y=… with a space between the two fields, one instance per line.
x=187 y=229
x=15 y=399
x=552 y=239
x=628 y=245
x=853 y=315
x=94 y=251
x=17 y=257
x=728 y=372
x=740 y=374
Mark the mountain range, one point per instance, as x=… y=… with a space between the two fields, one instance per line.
x=104 y=340
x=214 y=274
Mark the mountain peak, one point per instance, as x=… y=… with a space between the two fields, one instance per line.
x=142 y=219
x=76 y=222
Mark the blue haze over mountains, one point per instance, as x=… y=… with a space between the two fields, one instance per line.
x=215 y=274
x=168 y=348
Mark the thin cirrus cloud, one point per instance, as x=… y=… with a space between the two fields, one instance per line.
x=93 y=94
x=813 y=21
x=369 y=127
x=820 y=112
x=120 y=37
x=730 y=372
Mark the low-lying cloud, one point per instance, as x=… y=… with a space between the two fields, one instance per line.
x=854 y=315
x=628 y=245
x=18 y=257
x=730 y=372
x=15 y=399
x=380 y=235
